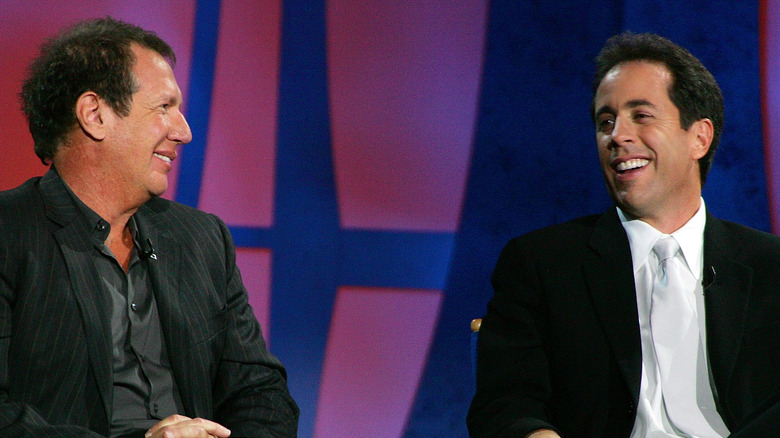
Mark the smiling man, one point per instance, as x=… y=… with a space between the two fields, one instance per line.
x=654 y=319
x=122 y=314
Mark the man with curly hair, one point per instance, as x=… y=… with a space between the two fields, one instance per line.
x=122 y=314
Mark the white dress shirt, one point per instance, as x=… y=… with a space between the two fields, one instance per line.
x=652 y=419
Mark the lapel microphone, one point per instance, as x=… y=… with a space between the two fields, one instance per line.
x=708 y=277
x=147 y=252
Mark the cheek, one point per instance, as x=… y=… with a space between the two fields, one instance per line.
x=158 y=126
x=603 y=151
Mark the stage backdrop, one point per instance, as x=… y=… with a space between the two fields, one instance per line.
x=371 y=159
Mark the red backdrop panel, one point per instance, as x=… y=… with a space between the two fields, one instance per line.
x=403 y=88
x=255 y=266
x=377 y=348
x=238 y=174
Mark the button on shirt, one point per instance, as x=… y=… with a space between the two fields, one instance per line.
x=652 y=419
x=144 y=391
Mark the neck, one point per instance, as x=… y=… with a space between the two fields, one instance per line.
x=99 y=192
x=670 y=219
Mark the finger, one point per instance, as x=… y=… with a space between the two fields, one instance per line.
x=191 y=428
x=173 y=419
x=185 y=432
x=190 y=432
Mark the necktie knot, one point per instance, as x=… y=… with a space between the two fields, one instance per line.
x=665 y=248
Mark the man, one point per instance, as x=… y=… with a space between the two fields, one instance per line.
x=592 y=331
x=121 y=313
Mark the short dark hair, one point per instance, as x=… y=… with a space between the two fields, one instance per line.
x=693 y=91
x=92 y=55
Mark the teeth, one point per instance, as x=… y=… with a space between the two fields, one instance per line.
x=163 y=157
x=632 y=164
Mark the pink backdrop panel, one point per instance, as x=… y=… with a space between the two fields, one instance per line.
x=238 y=174
x=770 y=77
x=377 y=348
x=255 y=267
x=403 y=88
x=26 y=24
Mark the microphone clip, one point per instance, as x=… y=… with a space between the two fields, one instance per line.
x=148 y=251
x=709 y=277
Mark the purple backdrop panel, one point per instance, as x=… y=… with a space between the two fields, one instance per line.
x=377 y=348
x=255 y=266
x=403 y=89
x=770 y=76
x=238 y=174
x=26 y=24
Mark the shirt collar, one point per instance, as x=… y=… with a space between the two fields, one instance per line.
x=100 y=227
x=642 y=236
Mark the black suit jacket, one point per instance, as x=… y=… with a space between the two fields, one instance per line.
x=55 y=331
x=560 y=346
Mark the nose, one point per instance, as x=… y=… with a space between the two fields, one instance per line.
x=180 y=130
x=622 y=132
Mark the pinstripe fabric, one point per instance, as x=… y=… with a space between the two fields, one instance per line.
x=55 y=351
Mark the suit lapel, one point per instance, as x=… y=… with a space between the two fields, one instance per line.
x=75 y=243
x=164 y=272
x=610 y=280
x=726 y=301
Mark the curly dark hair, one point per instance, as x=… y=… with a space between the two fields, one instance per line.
x=693 y=91
x=92 y=55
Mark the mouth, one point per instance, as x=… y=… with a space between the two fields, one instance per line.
x=632 y=164
x=165 y=158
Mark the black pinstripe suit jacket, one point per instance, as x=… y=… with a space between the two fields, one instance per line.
x=55 y=332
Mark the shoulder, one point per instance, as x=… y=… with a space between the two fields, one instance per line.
x=19 y=196
x=185 y=224
x=202 y=237
x=175 y=216
x=743 y=231
x=563 y=244
x=21 y=211
x=573 y=232
x=740 y=240
x=19 y=205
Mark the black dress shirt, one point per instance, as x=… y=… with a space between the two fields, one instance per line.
x=144 y=388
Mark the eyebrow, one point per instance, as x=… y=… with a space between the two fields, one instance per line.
x=630 y=104
x=639 y=102
x=169 y=100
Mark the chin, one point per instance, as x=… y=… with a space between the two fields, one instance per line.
x=627 y=204
x=156 y=191
x=157 y=186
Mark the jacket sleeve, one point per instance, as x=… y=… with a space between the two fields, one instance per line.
x=18 y=419
x=250 y=392
x=513 y=381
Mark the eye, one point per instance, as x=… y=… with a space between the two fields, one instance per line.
x=642 y=116
x=605 y=124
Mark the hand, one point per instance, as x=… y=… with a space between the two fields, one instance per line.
x=543 y=433
x=179 y=426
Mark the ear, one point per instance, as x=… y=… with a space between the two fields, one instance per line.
x=702 y=132
x=90 y=113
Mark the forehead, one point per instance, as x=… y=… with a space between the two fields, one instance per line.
x=152 y=71
x=635 y=80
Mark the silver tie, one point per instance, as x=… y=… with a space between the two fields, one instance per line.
x=675 y=333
